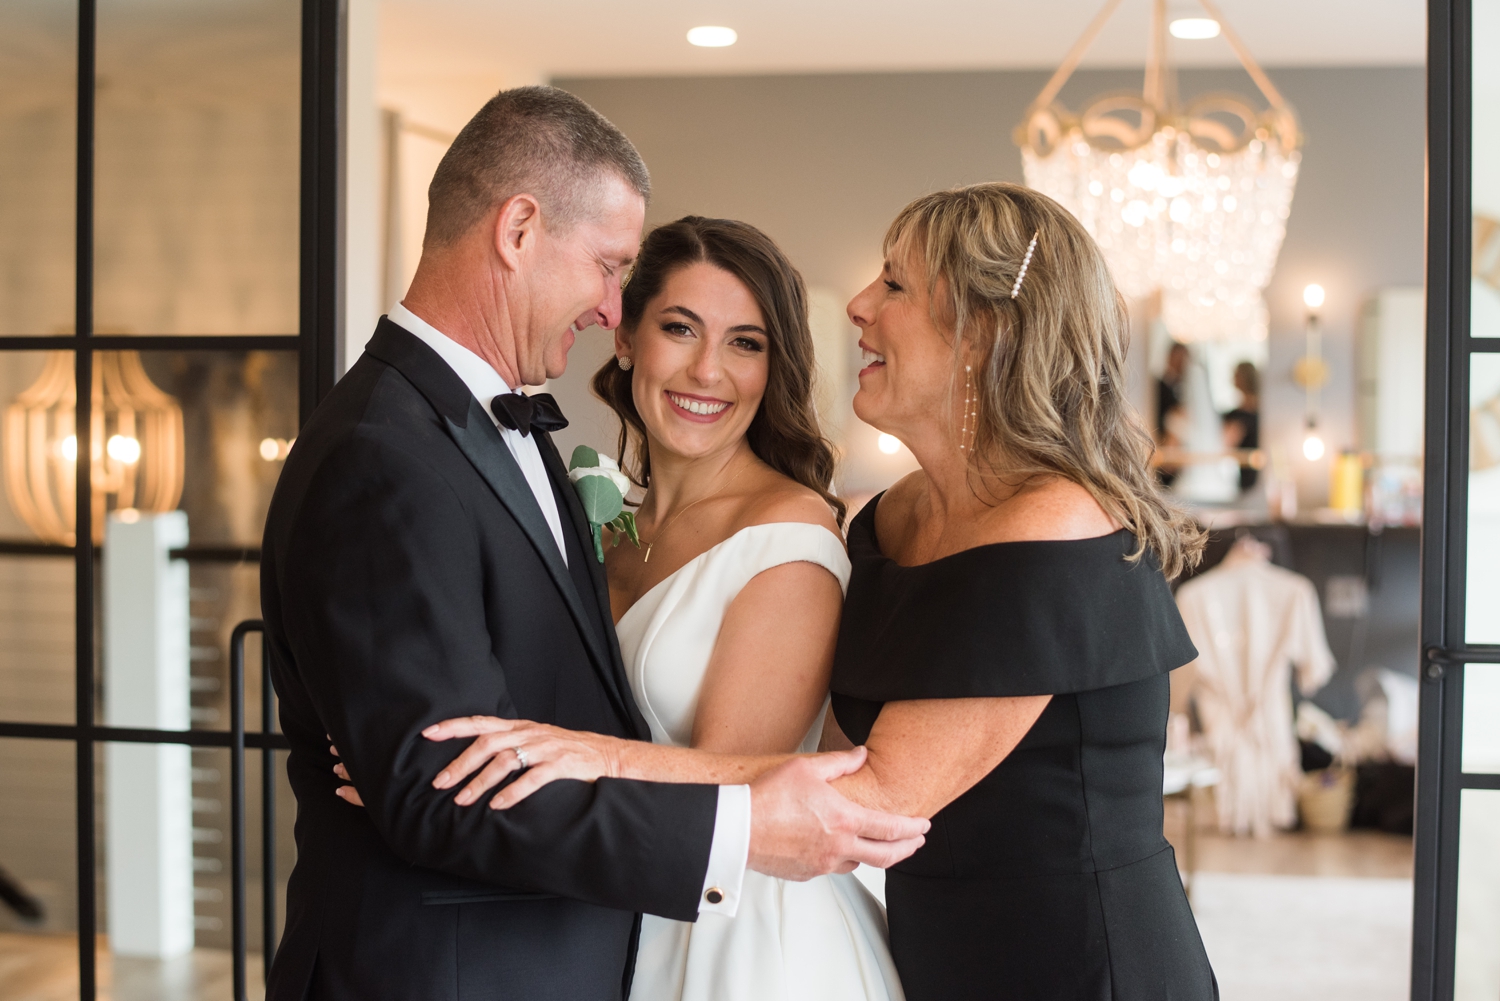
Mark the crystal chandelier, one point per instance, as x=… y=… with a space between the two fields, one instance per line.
x=1191 y=200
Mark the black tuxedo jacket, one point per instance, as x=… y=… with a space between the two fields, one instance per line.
x=409 y=576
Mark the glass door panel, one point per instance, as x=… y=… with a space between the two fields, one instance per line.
x=202 y=437
x=197 y=180
x=1483 y=586
x=1476 y=898
x=1476 y=954
x=1476 y=974
x=38 y=140
x=1481 y=741
x=38 y=936
x=37 y=463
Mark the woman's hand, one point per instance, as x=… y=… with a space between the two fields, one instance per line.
x=347 y=793
x=546 y=753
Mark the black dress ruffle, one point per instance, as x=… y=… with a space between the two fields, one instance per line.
x=1050 y=878
x=1014 y=618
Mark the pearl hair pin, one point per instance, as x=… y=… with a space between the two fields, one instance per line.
x=1021 y=275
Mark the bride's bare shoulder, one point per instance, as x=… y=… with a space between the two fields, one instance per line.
x=780 y=498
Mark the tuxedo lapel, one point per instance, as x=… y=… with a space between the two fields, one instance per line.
x=594 y=571
x=479 y=440
x=482 y=445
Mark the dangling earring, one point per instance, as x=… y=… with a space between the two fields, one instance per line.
x=970 y=426
x=625 y=363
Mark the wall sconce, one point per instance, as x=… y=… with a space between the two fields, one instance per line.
x=137 y=445
x=888 y=443
x=1311 y=372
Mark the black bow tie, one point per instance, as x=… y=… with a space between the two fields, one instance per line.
x=523 y=413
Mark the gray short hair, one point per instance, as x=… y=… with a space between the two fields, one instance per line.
x=539 y=140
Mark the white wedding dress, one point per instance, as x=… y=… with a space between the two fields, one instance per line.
x=822 y=940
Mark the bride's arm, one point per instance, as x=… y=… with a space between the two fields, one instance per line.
x=764 y=686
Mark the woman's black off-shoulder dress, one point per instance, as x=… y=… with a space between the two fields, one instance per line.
x=1050 y=879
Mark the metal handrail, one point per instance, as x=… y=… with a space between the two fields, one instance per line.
x=237 y=806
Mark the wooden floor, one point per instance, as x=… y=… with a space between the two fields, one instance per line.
x=1369 y=854
x=45 y=968
x=1357 y=853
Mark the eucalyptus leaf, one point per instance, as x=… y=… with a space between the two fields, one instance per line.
x=601 y=499
x=626 y=521
x=583 y=458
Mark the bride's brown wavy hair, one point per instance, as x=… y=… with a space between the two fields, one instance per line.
x=784 y=433
x=1049 y=363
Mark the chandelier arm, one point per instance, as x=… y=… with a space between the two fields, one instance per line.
x=1267 y=88
x=1155 y=90
x=1075 y=55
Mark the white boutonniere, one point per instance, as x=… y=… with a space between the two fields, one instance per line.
x=601 y=488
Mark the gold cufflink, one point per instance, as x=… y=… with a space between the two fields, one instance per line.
x=713 y=895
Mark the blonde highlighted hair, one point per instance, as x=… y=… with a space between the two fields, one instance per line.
x=1049 y=363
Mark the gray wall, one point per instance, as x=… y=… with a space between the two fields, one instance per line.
x=823 y=163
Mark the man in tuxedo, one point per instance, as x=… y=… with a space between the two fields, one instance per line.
x=425 y=558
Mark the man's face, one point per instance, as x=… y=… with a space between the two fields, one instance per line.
x=575 y=280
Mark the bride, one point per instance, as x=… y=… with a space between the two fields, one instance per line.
x=728 y=611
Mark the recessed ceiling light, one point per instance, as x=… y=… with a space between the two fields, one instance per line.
x=713 y=37
x=1194 y=27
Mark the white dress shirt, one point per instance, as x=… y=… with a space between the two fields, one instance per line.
x=730 y=850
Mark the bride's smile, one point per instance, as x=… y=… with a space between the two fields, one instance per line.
x=702 y=409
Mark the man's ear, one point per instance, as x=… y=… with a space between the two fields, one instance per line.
x=518 y=226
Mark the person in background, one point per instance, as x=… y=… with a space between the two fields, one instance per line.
x=1169 y=405
x=1242 y=424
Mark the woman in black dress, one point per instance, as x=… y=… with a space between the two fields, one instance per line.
x=1008 y=631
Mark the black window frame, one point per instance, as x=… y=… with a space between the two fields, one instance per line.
x=316 y=342
x=1450 y=349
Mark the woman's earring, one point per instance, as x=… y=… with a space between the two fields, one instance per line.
x=971 y=412
x=625 y=363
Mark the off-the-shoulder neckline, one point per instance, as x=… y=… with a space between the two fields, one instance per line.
x=715 y=548
x=875 y=541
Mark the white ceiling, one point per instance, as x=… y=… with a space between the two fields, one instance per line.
x=515 y=40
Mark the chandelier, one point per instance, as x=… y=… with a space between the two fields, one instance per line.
x=1189 y=200
x=136 y=440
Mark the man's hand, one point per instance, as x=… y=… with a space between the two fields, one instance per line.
x=800 y=827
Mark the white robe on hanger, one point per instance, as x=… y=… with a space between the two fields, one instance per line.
x=1252 y=622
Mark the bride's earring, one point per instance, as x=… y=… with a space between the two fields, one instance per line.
x=625 y=363
x=970 y=426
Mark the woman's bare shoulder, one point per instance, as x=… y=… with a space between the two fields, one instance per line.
x=900 y=498
x=780 y=498
x=1052 y=509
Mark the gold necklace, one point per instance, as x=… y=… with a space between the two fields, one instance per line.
x=672 y=520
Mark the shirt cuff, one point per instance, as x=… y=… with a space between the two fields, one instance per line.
x=728 y=854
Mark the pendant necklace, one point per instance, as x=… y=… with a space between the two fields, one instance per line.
x=672 y=520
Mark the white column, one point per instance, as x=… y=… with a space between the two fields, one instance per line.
x=148 y=787
x=364 y=243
